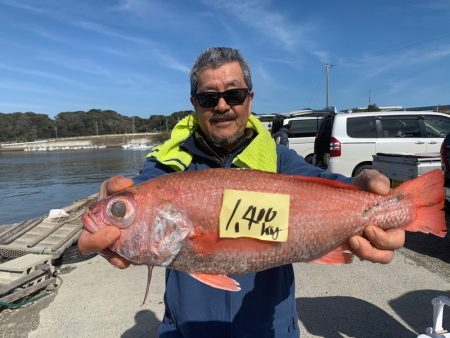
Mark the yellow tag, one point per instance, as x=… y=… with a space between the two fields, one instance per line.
x=254 y=214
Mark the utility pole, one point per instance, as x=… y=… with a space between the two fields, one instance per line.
x=327 y=71
x=369 y=99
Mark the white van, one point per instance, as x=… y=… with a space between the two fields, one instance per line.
x=346 y=142
x=304 y=126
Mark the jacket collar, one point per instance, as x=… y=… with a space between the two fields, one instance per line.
x=259 y=154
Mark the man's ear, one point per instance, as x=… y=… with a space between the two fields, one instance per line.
x=193 y=102
x=250 y=100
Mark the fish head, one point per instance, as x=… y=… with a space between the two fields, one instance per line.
x=151 y=231
x=117 y=210
x=123 y=211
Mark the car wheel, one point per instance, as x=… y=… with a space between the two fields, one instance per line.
x=362 y=168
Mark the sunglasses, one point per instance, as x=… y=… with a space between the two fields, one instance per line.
x=232 y=97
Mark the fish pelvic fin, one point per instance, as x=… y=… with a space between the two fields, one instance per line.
x=340 y=255
x=428 y=195
x=149 y=278
x=217 y=281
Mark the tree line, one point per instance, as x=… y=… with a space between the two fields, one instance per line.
x=26 y=127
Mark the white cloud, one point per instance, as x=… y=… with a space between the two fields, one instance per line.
x=44 y=33
x=434 y=5
x=77 y=64
x=170 y=61
x=274 y=26
x=372 y=65
x=101 y=29
x=44 y=74
x=151 y=10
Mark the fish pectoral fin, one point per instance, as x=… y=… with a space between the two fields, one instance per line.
x=340 y=255
x=217 y=281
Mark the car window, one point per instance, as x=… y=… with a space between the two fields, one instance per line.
x=304 y=127
x=326 y=127
x=436 y=126
x=361 y=127
x=400 y=127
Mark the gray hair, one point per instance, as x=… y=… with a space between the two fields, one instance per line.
x=216 y=57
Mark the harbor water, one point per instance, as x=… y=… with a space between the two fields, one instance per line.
x=32 y=183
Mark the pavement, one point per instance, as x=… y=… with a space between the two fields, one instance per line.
x=361 y=299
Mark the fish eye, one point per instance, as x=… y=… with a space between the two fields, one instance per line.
x=121 y=211
x=118 y=209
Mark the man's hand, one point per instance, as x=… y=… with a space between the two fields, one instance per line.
x=101 y=240
x=377 y=245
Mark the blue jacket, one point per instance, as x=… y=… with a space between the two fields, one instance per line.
x=283 y=134
x=265 y=306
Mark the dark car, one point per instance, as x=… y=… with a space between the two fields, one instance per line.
x=445 y=159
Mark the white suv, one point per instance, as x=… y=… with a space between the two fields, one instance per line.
x=304 y=126
x=346 y=142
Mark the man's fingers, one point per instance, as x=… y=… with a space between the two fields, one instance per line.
x=378 y=245
x=118 y=261
x=115 y=259
x=385 y=240
x=362 y=248
x=118 y=183
x=113 y=185
x=90 y=243
x=373 y=181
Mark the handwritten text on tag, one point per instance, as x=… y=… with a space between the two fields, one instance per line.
x=264 y=216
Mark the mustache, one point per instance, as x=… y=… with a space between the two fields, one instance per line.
x=218 y=117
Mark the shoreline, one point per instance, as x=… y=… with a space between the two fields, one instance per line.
x=94 y=141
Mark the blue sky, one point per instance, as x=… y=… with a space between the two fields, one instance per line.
x=134 y=56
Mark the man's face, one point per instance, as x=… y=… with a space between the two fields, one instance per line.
x=223 y=123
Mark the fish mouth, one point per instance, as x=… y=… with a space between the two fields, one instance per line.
x=89 y=223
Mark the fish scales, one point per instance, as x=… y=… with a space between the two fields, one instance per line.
x=307 y=239
x=177 y=220
x=173 y=220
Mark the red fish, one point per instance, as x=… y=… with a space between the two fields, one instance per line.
x=173 y=220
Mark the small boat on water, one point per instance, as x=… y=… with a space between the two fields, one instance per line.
x=136 y=146
x=58 y=148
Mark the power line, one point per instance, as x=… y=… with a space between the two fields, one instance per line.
x=412 y=43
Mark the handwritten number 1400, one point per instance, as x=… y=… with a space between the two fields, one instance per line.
x=253 y=215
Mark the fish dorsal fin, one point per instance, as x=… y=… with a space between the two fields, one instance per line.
x=331 y=183
x=217 y=281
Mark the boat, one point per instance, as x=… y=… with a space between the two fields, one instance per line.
x=136 y=146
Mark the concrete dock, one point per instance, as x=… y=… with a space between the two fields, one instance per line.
x=356 y=300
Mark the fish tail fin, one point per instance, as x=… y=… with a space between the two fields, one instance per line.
x=429 y=220
x=428 y=195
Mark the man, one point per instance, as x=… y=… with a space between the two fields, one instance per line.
x=223 y=133
x=282 y=135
